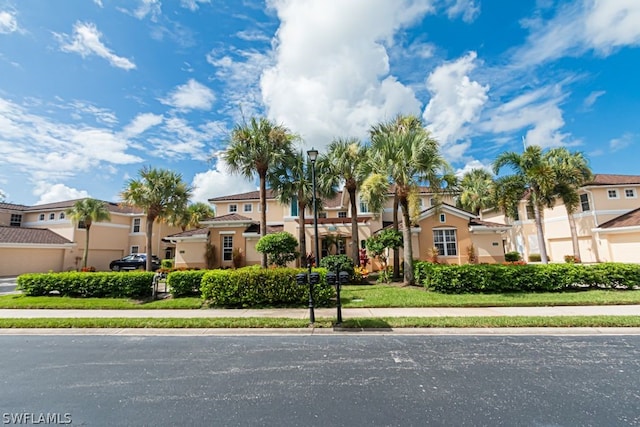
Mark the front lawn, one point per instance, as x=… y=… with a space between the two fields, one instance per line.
x=57 y=302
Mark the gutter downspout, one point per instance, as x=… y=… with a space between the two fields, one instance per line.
x=596 y=237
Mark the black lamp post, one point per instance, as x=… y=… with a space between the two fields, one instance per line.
x=313 y=156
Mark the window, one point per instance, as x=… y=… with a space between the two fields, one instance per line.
x=443 y=218
x=82 y=225
x=16 y=220
x=364 y=207
x=227 y=248
x=612 y=194
x=61 y=216
x=52 y=216
x=233 y=208
x=584 y=202
x=322 y=214
x=630 y=193
x=248 y=207
x=530 y=213
x=136 y=225
x=432 y=201
x=420 y=202
x=294 y=206
x=135 y=249
x=342 y=214
x=445 y=241
x=41 y=217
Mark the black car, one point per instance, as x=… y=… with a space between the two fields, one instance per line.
x=134 y=262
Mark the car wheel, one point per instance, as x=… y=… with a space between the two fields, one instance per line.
x=115 y=268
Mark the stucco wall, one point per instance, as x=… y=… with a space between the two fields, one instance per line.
x=16 y=261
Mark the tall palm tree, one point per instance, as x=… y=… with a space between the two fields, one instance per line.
x=537 y=177
x=572 y=172
x=476 y=190
x=160 y=193
x=255 y=148
x=348 y=159
x=292 y=182
x=88 y=211
x=403 y=153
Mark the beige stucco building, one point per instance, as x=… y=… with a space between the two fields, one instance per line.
x=32 y=251
x=607 y=223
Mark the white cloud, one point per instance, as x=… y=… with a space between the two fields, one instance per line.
x=153 y=8
x=189 y=96
x=537 y=112
x=98 y=2
x=50 y=193
x=592 y=98
x=623 y=142
x=467 y=9
x=141 y=123
x=192 y=5
x=8 y=22
x=218 y=182
x=599 y=25
x=331 y=74
x=252 y=35
x=176 y=139
x=86 y=41
x=456 y=100
x=471 y=165
x=101 y=115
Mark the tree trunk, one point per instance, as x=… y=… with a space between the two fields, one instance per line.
x=302 y=237
x=409 y=278
x=85 y=255
x=541 y=242
x=263 y=214
x=355 y=240
x=150 y=221
x=574 y=235
x=396 y=251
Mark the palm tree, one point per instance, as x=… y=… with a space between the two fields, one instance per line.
x=537 y=177
x=88 y=211
x=255 y=148
x=292 y=182
x=191 y=216
x=403 y=153
x=347 y=160
x=160 y=193
x=572 y=172
x=476 y=190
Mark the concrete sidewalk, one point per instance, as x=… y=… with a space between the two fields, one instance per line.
x=347 y=313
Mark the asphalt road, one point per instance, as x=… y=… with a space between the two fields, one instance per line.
x=322 y=380
x=7 y=285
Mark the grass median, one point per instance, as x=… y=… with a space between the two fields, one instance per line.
x=357 y=323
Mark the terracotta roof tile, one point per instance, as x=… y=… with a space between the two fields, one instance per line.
x=228 y=217
x=334 y=202
x=25 y=235
x=255 y=228
x=13 y=207
x=609 y=179
x=251 y=195
x=334 y=220
x=474 y=221
x=630 y=219
x=111 y=207
x=195 y=232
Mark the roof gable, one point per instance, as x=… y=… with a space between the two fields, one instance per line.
x=34 y=236
x=629 y=219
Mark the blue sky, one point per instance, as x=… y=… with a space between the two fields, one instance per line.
x=93 y=90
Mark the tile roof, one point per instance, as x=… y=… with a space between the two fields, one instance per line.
x=65 y=204
x=334 y=202
x=251 y=195
x=488 y=224
x=228 y=217
x=609 y=179
x=255 y=228
x=334 y=220
x=630 y=219
x=195 y=232
x=13 y=207
x=25 y=235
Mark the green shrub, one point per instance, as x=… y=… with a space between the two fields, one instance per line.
x=339 y=263
x=512 y=256
x=279 y=247
x=495 y=278
x=249 y=287
x=96 y=285
x=535 y=258
x=166 y=264
x=185 y=283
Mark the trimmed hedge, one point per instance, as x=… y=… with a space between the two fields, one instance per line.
x=496 y=278
x=250 y=287
x=95 y=285
x=339 y=263
x=185 y=283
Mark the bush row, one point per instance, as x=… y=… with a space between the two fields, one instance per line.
x=185 y=283
x=251 y=287
x=496 y=278
x=78 y=284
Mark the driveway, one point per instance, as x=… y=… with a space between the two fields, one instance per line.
x=8 y=285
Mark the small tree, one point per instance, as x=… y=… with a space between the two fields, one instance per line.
x=379 y=244
x=280 y=248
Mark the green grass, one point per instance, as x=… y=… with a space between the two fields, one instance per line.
x=368 y=323
x=55 y=302
x=378 y=296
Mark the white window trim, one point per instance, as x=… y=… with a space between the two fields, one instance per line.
x=249 y=205
x=229 y=208
x=617 y=196
x=52 y=216
x=444 y=242
x=633 y=192
x=41 y=217
x=133 y=226
x=443 y=218
x=137 y=249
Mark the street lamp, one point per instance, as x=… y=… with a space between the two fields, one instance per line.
x=313 y=156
